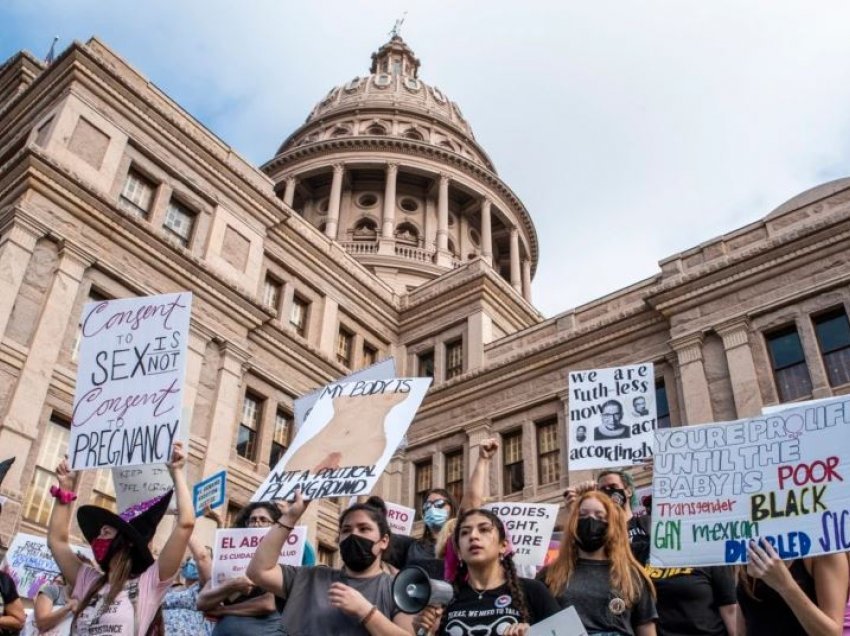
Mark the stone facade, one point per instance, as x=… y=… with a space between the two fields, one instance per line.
x=380 y=228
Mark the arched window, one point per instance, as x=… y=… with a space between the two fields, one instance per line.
x=365 y=230
x=340 y=131
x=376 y=129
x=407 y=233
x=412 y=133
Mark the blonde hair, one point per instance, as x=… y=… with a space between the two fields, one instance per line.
x=444 y=537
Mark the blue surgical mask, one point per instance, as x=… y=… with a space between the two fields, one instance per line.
x=435 y=518
x=190 y=570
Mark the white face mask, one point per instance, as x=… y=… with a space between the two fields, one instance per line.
x=435 y=518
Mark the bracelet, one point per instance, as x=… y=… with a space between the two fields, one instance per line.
x=368 y=616
x=64 y=496
x=283 y=525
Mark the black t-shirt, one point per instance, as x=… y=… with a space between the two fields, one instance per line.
x=688 y=599
x=598 y=607
x=471 y=613
x=639 y=537
x=8 y=594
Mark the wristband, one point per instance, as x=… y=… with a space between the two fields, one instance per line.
x=64 y=496
x=368 y=616
x=283 y=525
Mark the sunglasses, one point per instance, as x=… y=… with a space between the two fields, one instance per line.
x=437 y=503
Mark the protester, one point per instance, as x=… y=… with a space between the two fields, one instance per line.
x=179 y=607
x=597 y=573
x=239 y=606
x=437 y=508
x=490 y=598
x=53 y=604
x=126 y=597
x=804 y=596
x=354 y=600
x=12 y=616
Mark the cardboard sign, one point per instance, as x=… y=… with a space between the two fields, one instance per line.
x=30 y=563
x=612 y=416
x=529 y=527
x=234 y=548
x=383 y=370
x=564 y=623
x=782 y=477
x=128 y=400
x=209 y=492
x=400 y=518
x=347 y=440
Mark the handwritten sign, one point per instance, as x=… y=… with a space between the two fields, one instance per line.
x=234 y=548
x=347 y=440
x=400 y=518
x=135 y=485
x=529 y=528
x=128 y=401
x=612 y=416
x=30 y=563
x=564 y=623
x=780 y=476
x=209 y=492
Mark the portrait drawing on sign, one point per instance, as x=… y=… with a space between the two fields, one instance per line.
x=612 y=426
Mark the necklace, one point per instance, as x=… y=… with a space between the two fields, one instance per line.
x=480 y=592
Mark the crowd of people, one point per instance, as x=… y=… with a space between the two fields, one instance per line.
x=600 y=570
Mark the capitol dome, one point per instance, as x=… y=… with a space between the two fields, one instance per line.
x=388 y=166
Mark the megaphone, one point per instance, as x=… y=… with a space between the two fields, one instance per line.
x=413 y=590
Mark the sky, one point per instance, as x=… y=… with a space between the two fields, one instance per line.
x=630 y=130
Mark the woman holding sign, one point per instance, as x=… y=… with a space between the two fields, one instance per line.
x=355 y=600
x=597 y=573
x=124 y=599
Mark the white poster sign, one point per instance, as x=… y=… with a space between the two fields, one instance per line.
x=400 y=518
x=564 y=623
x=30 y=563
x=234 y=548
x=781 y=477
x=135 y=485
x=347 y=440
x=612 y=416
x=128 y=400
x=529 y=528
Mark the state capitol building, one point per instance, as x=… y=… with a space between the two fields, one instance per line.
x=379 y=228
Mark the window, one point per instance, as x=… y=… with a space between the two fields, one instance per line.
x=104 y=490
x=137 y=195
x=280 y=437
x=662 y=406
x=52 y=448
x=179 y=221
x=454 y=359
x=370 y=355
x=424 y=472
x=298 y=315
x=344 y=340
x=326 y=555
x=833 y=332
x=454 y=474
x=94 y=297
x=249 y=425
x=271 y=292
x=548 y=452
x=789 y=364
x=426 y=364
x=513 y=477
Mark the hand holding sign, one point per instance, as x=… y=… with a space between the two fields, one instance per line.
x=290 y=513
x=178 y=458
x=64 y=475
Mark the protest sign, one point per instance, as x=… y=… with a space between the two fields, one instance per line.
x=135 y=485
x=529 y=527
x=612 y=416
x=564 y=623
x=400 y=518
x=234 y=548
x=778 y=476
x=128 y=400
x=62 y=629
x=383 y=370
x=209 y=492
x=347 y=440
x=30 y=563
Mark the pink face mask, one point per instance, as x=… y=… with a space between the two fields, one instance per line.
x=100 y=548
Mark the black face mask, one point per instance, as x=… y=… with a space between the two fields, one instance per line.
x=617 y=495
x=356 y=552
x=591 y=533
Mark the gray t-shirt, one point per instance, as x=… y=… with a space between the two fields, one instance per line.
x=55 y=593
x=308 y=611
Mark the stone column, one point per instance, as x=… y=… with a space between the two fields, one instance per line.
x=697 y=398
x=479 y=332
x=225 y=412
x=199 y=336
x=16 y=248
x=388 y=219
x=289 y=193
x=742 y=368
x=814 y=358
x=329 y=328
x=334 y=201
x=516 y=281
x=486 y=232
x=526 y=279
x=443 y=214
x=20 y=424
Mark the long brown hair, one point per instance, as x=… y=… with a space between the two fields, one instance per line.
x=627 y=577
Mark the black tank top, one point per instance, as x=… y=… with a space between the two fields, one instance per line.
x=767 y=613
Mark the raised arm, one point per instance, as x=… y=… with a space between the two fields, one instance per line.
x=171 y=555
x=263 y=568
x=202 y=558
x=58 y=528
x=473 y=495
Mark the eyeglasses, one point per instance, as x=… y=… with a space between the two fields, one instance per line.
x=259 y=521
x=437 y=503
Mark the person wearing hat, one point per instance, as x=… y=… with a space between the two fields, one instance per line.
x=124 y=599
